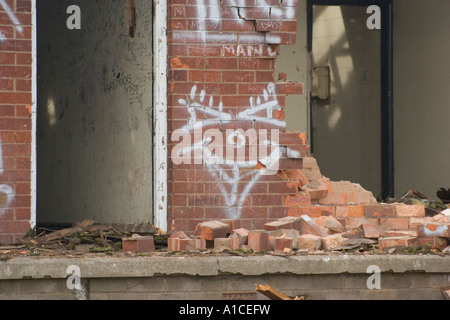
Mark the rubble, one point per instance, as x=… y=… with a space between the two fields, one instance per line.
x=384 y=229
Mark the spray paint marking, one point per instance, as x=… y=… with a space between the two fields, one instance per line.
x=6 y=192
x=229 y=173
x=12 y=17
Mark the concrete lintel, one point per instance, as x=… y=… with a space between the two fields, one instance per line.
x=38 y=268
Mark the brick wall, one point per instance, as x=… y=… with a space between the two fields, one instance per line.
x=221 y=76
x=405 y=286
x=15 y=118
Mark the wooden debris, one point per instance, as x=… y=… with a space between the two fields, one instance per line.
x=446 y=292
x=274 y=294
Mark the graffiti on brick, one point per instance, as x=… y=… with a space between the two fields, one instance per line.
x=210 y=13
x=12 y=17
x=235 y=176
x=6 y=192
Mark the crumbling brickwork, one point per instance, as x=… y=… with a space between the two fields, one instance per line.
x=222 y=58
x=15 y=118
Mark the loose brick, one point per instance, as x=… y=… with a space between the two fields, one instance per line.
x=434 y=242
x=196 y=244
x=177 y=244
x=210 y=230
x=283 y=242
x=138 y=244
x=370 y=230
x=232 y=224
x=333 y=241
x=241 y=234
x=258 y=240
x=397 y=242
x=179 y=234
x=221 y=244
x=330 y=223
x=392 y=234
x=309 y=241
x=283 y=223
x=289 y=233
x=308 y=226
x=433 y=230
x=403 y=210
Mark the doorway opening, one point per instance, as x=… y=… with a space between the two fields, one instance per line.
x=95 y=113
x=351 y=122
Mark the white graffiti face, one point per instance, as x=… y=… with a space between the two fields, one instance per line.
x=6 y=192
x=12 y=17
x=228 y=173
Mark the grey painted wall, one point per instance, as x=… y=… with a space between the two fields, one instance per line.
x=421 y=103
x=347 y=128
x=94 y=130
x=293 y=60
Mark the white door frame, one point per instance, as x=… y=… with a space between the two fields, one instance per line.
x=160 y=150
x=159 y=115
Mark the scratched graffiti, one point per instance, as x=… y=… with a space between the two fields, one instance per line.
x=228 y=173
x=6 y=192
x=12 y=17
x=209 y=15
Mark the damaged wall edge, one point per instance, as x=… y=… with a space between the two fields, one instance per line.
x=36 y=268
x=160 y=165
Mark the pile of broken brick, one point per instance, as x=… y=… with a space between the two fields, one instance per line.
x=304 y=234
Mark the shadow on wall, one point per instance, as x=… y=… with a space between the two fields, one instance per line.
x=347 y=127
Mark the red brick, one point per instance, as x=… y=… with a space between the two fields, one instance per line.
x=334 y=199
x=210 y=230
x=350 y=211
x=394 y=223
x=356 y=222
x=380 y=210
x=179 y=235
x=309 y=241
x=177 y=244
x=434 y=242
x=232 y=224
x=221 y=244
x=237 y=25
x=308 y=226
x=138 y=244
x=329 y=222
x=196 y=244
x=370 y=230
x=241 y=234
x=403 y=210
x=298 y=200
x=397 y=242
x=316 y=190
x=333 y=241
x=283 y=223
x=268 y=25
x=258 y=240
x=282 y=243
x=393 y=234
x=312 y=212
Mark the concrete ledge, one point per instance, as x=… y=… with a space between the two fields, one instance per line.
x=38 y=268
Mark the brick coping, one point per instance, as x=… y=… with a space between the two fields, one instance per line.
x=125 y=267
